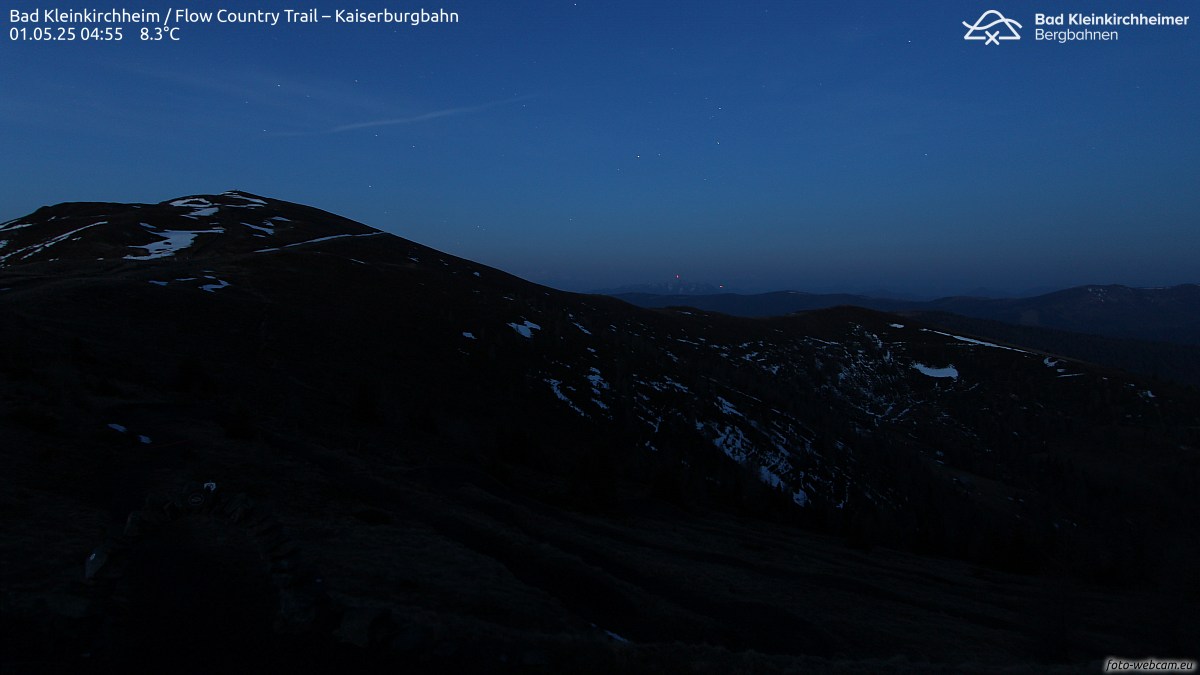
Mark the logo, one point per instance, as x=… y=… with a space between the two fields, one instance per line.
x=982 y=30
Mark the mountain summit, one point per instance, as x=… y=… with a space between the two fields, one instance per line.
x=186 y=228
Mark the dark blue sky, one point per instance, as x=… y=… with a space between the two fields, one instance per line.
x=764 y=145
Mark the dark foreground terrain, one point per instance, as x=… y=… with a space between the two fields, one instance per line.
x=440 y=569
x=247 y=434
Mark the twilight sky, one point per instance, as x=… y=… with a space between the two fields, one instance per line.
x=804 y=144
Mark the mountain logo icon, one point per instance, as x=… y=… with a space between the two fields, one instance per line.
x=983 y=28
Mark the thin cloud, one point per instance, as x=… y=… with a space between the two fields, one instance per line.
x=425 y=117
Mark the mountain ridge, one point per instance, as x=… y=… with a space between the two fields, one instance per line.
x=1167 y=314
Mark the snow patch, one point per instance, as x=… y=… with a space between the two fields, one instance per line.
x=38 y=248
x=556 y=388
x=238 y=195
x=949 y=371
x=769 y=477
x=525 y=329
x=201 y=208
x=675 y=385
x=973 y=341
x=212 y=288
x=314 y=241
x=120 y=428
x=614 y=636
x=597 y=380
x=174 y=242
x=727 y=407
x=264 y=228
x=730 y=440
x=598 y=386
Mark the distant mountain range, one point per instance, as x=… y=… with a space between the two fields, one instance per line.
x=238 y=431
x=675 y=287
x=1156 y=314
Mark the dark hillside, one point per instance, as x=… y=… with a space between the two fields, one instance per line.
x=416 y=459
